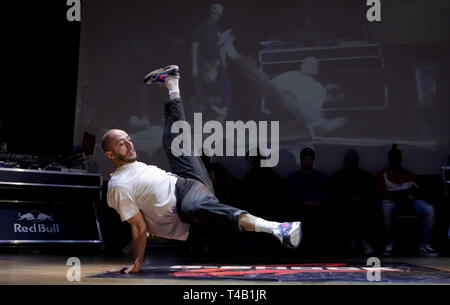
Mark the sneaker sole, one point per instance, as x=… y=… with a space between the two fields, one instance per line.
x=295 y=235
x=174 y=69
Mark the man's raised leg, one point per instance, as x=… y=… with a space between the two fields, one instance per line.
x=288 y=233
x=184 y=166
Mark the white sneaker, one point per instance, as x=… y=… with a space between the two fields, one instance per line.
x=289 y=233
x=159 y=76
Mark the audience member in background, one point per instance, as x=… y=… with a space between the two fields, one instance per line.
x=352 y=193
x=221 y=179
x=308 y=195
x=398 y=191
x=262 y=189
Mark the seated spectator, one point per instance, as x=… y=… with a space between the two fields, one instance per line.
x=308 y=189
x=221 y=179
x=399 y=191
x=262 y=189
x=352 y=193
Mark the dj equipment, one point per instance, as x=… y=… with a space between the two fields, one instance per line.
x=40 y=206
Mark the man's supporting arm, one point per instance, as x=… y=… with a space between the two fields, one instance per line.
x=139 y=237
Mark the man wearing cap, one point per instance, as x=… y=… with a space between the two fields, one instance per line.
x=205 y=55
x=309 y=184
x=204 y=44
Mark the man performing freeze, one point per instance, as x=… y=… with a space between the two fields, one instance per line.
x=165 y=204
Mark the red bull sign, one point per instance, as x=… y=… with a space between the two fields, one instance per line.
x=48 y=223
x=41 y=228
x=39 y=206
x=42 y=223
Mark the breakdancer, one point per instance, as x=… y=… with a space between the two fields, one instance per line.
x=166 y=203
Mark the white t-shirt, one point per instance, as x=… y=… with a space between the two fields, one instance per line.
x=138 y=187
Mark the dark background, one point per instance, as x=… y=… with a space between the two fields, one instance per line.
x=42 y=46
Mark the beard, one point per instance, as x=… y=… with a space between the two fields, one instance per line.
x=125 y=158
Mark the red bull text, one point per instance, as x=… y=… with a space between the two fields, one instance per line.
x=36 y=228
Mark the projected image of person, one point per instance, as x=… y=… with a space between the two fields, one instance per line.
x=205 y=54
x=205 y=39
x=204 y=44
x=213 y=96
x=307 y=94
x=165 y=204
x=296 y=91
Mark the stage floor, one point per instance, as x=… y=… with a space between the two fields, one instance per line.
x=53 y=269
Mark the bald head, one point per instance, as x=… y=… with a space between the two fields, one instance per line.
x=118 y=147
x=310 y=66
x=108 y=138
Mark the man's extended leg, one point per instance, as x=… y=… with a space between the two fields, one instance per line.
x=288 y=233
x=196 y=205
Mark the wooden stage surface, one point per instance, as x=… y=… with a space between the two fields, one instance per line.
x=51 y=269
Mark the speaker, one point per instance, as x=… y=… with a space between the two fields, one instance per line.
x=49 y=207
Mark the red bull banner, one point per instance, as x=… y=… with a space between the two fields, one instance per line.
x=48 y=223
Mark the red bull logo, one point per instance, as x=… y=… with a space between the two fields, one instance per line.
x=36 y=228
x=27 y=216
x=36 y=217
